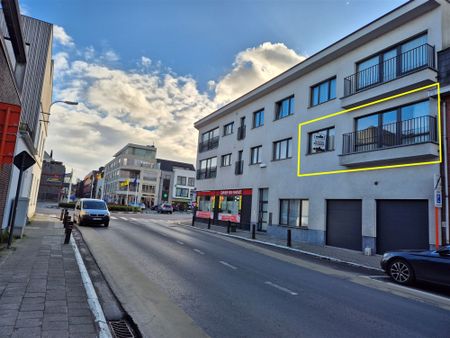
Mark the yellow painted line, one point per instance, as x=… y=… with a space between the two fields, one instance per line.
x=300 y=125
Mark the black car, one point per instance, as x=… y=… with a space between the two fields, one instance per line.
x=404 y=267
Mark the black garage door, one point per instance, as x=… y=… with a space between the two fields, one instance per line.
x=402 y=224
x=344 y=224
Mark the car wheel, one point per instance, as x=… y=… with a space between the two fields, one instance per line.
x=401 y=272
x=106 y=224
x=79 y=222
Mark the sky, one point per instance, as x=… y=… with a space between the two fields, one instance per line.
x=145 y=71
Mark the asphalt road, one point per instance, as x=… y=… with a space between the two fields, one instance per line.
x=175 y=281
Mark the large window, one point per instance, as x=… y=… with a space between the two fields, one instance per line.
x=191 y=181
x=321 y=141
x=323 y=92
x=284 y=108
x=226 y=160
x=209 y=140
x=208 y=168
x=258 y=118
x=182 y=192
x=403 y=125
x=294 y=212
x=228 y=129
x=181 y=180
x=394 y=62
x=255 y=155
x=282 y=149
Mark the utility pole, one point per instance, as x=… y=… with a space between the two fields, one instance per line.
x=70 y=186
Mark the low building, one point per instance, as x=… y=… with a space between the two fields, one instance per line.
x=177 y=182
x=52 y=179
x=342 y=149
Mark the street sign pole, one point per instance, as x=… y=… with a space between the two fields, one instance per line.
x=22 y=161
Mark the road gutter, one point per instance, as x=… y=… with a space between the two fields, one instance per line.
x=92 y=298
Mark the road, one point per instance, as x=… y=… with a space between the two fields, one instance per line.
x=176 y=281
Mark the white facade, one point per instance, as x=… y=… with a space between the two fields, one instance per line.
x=391 y=32
x=183 y=184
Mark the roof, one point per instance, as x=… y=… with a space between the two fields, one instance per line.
x=134 y=145
x=168 y=165
x=389 y=21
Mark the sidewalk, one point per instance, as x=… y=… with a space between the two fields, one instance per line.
x=41 y=290
x=346 y=256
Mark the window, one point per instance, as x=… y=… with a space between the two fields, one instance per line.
x=209 y=140
x=396 y=61
x=208 y=168
x=258 y=118
x=226 y=160
x=182 y=192
x=282 y=149
x=321 y=141
x=294 y=212
x=191 y=181
x=228 y=129
x=255 y=155
x=284 y=108
x=323 y=92
x=181 y=180
x=210 y=134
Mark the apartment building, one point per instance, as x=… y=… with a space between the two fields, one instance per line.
x=177 y=182
x=52 y=179
x=344 y=147
x=28 y=45
x=132 y=176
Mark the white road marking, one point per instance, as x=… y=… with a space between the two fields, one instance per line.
x=124 y=218
x=180 y=242
x=199 y=251
x=134 y=219
x=292 y=293
x=228 y=265
x=113 y=217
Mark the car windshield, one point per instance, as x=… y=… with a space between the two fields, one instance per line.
x=97 y=205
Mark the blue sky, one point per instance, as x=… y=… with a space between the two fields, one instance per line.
x=201 y=37
x=145 y=71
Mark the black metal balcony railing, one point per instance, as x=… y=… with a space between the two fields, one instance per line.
x=412 y=60
x=414 y=131
x=209 y=144
x=239 y=167
x=206 y=173
x=241 y=132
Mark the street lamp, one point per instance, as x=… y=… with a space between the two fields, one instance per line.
x=70 y=103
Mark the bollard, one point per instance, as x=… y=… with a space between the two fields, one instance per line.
x=209 y=223
x=193 y=220
x=228 y=227
x=65 y=217
x=62 y=214
x=69 y=227
x=289 y=239
x=253 y=231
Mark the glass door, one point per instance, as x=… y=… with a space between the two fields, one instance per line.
x=263 y=208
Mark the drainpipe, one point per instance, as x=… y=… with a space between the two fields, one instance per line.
x=446 y=172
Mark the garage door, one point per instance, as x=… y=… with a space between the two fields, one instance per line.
x=344 y=224
x=402 y=224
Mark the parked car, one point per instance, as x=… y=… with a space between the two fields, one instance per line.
x=165 y=208
x=406 y=266
x=138 y=205
x=91 y=211
x=155 y=207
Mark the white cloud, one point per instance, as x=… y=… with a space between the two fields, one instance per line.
x=254 y=66
x=110 y=56
x=146 y=106
x=61 y=37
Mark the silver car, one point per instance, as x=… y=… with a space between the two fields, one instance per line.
x=91 y=211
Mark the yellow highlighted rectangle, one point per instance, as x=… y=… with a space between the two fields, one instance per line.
x=300 y=174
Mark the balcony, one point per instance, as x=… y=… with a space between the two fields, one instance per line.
x=241 y=132
x=398 y=142
x=418 y=59
x=209 y=144
x=239 y=167
x=206 y=173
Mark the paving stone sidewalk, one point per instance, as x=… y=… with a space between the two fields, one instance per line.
x=41 y=290
x=345 y=255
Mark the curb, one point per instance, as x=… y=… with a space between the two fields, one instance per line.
x=308 y=253
x=92 y=298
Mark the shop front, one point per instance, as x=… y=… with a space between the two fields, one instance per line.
x=223 y=206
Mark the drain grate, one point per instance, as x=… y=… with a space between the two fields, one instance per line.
x=121 y=329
